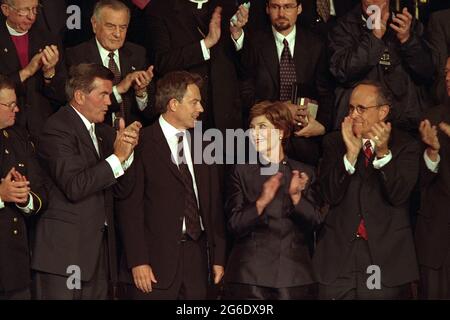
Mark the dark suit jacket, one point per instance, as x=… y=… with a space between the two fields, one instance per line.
x=37 y=100
x=259 y=67
x=17 y=151
x=355 y=55
x=310 y=18
x=151 y=218
x=433 y=221
x=438 y=35
x=176 y=39
x=53 y=17
x=81 y=198
x=381 y=197
x=273 y=249
x=132 y=58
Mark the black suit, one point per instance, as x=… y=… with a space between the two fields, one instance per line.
x=259 y=67
x=17 y=151
x=381 y=198
x=433 y=222
x=271 y=250
x=310 y=18
x=151 y=218
x=72 y=229
x=132 y=58
x=439 y=38
x=175 y=36
x=36 y=99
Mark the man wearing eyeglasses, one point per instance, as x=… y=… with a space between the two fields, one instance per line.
x=31 y=57
x=366 y=250
x=275 y=61
x=23 y=195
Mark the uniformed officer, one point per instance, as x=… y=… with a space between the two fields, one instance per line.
x=22 y=195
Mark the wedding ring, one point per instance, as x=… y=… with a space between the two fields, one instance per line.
x=376 y=138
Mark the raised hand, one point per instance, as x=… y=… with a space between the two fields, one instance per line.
x=352 y=142
x=239 y=23
x=14 y=191
x=126 y=139
x=380 y=133
x=142 y=80
x=429 y=136
x=445 y=127
x=50 y=57
x=214 y=28
x=403 y=25
x=270 y=188
x=297 y=185
x=33 y=66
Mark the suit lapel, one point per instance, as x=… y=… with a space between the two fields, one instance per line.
x=301 y=57
x=270 y=56
x=164 y=150
x=81 y=130
x=94 y=54
x=125 y=61
x=8 y=52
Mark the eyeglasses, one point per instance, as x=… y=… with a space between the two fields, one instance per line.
x=360 y=109
x=11 y=106
x=23 y=12
x=286 y=7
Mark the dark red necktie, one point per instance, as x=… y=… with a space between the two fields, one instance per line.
x=362 y=232
x=288 y=75
x=141 y=4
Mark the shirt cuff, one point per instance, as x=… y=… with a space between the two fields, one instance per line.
x=239 y=43
x=128 y=162
x=2 y=204
x=431 y=165
x=205 y=50
x=380 y=163
x=29 y=207
x=115 y=165
x=117 y=95
x=350 y=168
x=142 y=102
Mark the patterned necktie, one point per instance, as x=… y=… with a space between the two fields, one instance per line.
x=323 y=9
x=112 y=65
x=362 y=231
x=191 y=214
x=287 y=73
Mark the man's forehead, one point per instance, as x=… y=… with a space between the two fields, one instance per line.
x=363 y=93
x=24 y=3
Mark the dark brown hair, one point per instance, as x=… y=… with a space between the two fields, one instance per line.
x=173 y=86
x=82 y=77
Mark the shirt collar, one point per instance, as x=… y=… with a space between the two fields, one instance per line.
x=169 y=131
x=86 y=122
x=13 y=32
x=104 y=53
x=290 y=37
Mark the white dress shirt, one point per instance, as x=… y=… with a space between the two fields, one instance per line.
x=377 y=163
x=170 y=133
x=431 y=165
x=279 y=38
x=113 y=161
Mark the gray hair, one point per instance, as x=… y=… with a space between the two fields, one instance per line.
x=112 y=4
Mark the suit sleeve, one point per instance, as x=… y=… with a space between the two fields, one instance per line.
x=399 y=176
x=219 y=252
x=242 y=216
x=308 y=208
x=350 y=60
x=167 y=57
x=334 y=179
x=60 y=151
x=130 y=215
